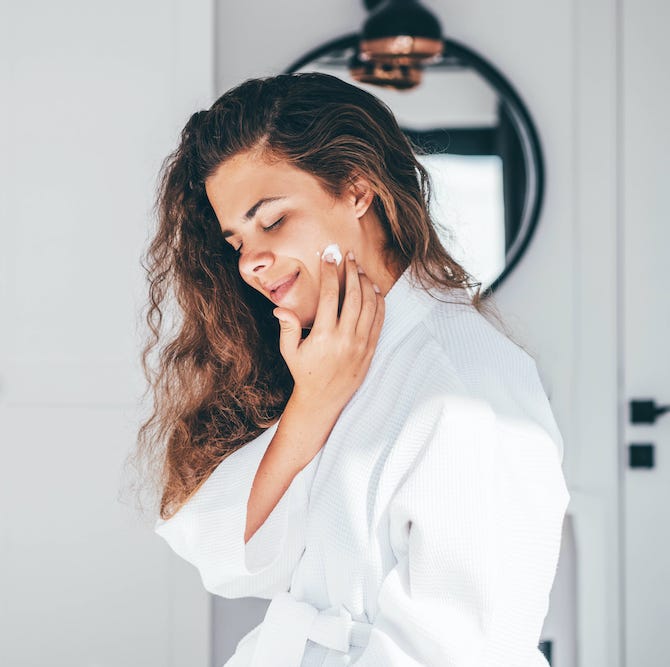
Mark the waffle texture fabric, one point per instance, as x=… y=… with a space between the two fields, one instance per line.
x=427 y=529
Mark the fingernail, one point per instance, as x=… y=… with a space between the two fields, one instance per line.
x=360 y=269
x=329 y=257
x=350 y=255
x=334 y=249
x=376 y=289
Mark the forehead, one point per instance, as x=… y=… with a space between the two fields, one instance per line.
x=239 y=182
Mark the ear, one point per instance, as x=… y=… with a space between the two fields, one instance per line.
x=361 y=194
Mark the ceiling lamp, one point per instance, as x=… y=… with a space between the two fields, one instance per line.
x=398 y=39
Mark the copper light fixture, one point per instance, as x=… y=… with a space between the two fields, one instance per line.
x=398 y=39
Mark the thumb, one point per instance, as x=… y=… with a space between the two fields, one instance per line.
x=290 y=331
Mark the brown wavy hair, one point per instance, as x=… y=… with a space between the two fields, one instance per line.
x=219 y=378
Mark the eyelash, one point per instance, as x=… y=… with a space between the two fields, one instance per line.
x=272 y=226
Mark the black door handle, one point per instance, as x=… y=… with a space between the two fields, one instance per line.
x=646 y=411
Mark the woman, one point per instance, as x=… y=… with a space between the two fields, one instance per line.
x=383 y=463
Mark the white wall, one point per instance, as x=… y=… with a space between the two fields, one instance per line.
x=93 y=96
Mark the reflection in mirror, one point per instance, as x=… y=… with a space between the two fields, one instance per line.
x=475 y=138
x=468 y=211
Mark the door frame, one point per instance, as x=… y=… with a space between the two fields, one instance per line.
x=597 y=451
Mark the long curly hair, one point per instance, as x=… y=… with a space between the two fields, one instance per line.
x=219 y=379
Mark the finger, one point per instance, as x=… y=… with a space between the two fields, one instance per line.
x=377 y=323
x=351 y=307
x=368 y=308
x=329 y=297
x=290 y=332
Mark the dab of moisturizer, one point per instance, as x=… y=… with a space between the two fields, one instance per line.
x=334 y=250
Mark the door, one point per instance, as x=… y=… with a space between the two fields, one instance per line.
x=645 y=254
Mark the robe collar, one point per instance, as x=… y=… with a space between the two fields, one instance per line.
x=407 y=303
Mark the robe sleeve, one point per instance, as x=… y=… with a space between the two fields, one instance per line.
x=208 y=531
x=476 y=528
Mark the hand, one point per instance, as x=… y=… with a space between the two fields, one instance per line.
x=330 y=364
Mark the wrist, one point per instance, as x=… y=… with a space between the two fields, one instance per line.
x=312 y=403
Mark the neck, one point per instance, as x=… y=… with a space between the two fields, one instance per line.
x=379 y=268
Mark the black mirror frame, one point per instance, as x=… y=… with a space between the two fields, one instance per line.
x=528 y=135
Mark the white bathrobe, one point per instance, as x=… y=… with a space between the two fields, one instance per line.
x=426 y=531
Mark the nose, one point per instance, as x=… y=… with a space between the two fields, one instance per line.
x=255 y=262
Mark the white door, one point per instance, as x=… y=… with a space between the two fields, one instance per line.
x=645 y=207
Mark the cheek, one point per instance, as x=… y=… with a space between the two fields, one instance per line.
x=309 y=237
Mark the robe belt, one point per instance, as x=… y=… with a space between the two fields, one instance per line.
x=289 y=623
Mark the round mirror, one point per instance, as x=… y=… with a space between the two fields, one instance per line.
x=477 y=141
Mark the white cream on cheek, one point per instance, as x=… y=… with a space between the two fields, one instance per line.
x=334 y=249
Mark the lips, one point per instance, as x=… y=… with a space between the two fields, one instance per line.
x=277 y=295
x=273 y=288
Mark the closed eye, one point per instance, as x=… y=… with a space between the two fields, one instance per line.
x=274 y=225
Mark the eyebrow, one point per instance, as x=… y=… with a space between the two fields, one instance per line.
x=252 y=211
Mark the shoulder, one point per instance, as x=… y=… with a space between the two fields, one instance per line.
x=478 y=351
x=490 y=367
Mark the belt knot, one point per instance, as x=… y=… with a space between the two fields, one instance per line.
x=290 y=622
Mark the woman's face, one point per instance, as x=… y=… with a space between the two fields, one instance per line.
x=281 y=219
